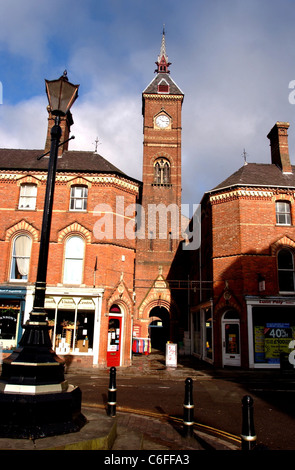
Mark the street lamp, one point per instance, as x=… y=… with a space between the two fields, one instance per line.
x=35 y=399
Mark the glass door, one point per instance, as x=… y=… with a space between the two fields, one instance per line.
x=231 y=342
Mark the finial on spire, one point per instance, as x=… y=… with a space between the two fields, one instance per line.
x=163 y=63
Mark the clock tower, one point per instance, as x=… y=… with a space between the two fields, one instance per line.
x=160 y=230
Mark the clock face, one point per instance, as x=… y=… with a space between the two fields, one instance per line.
x=162 y=121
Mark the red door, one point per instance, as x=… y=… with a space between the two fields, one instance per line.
x=114 y=341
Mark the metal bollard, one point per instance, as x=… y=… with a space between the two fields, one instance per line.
x=248 y=432
x=112 y=392
x=188 y=409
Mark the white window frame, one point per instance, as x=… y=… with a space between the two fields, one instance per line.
x=283 y=213
x=78 y=202
x=24 y=259
x=27 y=197
x=74 y=261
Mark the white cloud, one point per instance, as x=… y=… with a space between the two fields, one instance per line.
x=24 y=125
x=118 y=126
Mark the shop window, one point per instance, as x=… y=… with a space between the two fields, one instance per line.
x=78 y=200
x=283 y=213
x=162 y=172
x=286 y=270
x=273 y=330
x=74 y=260
x=9 y=312
x=20 y=262
x=72 y=331
x=27 y=197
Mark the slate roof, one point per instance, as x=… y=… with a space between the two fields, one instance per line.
x=71 y=160
x=258 y=174
x=153 y=86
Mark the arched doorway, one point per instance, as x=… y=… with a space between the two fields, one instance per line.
x=159 y=327
x=231 y=353
x=114 y=336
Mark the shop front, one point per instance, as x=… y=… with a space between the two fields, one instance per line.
x=271 y=331
x=12 y=304
x=74 y=318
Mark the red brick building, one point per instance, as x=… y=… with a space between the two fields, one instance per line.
x=106 y=287
x=89 y=272
x=243 y=291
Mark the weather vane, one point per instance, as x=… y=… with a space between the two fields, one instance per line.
x=245 y=157
x=97 y=142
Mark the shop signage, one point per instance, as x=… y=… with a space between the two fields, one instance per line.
x=171 y=355
x=277 y=338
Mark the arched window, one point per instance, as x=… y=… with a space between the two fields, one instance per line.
x=286 y=270
x=74 y=258
x=162 y=171
x=20 y=262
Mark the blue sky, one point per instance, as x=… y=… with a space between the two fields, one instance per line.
x=233 y=59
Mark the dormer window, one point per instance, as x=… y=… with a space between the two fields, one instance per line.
x=163 y=86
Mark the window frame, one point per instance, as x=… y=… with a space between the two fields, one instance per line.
x=74 y=198
x=285 y=271
x=160 y=165
x=285 y=214
x=30 y=197
x=13 y=260
x=68 y=260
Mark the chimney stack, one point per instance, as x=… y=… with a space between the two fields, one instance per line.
x=278 y=137
x=65 y=124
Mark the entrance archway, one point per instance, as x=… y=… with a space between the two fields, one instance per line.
x=159 y=328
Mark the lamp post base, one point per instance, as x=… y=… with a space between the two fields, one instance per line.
x=31 y=416
x=35 y=399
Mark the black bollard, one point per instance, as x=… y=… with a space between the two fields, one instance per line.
x=188 y=409
x=248 y=432
x=112 y=392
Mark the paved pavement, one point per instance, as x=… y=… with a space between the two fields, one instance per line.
x=138 y=429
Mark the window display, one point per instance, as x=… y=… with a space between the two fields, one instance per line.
x=273 y=330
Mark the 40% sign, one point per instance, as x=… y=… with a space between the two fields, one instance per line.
x=292 y=353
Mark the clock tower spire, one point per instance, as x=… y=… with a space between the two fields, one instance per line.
x=162 y=63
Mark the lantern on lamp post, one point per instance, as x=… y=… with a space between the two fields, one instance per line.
x=35 y=399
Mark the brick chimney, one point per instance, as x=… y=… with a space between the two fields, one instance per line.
x=65 y=124
x=278 y=137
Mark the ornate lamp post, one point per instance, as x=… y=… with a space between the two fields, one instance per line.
x=35 y=399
